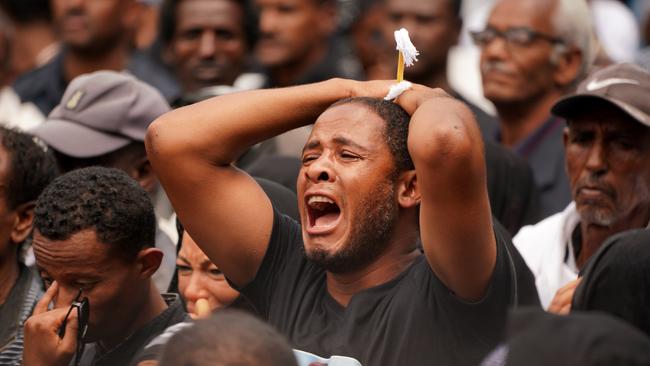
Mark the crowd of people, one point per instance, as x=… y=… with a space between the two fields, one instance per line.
x=226 y=182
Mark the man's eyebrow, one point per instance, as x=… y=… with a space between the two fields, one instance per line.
x=311 y=145
x=183 y=259
x=340 y=140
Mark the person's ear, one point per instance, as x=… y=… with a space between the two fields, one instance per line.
x=568 y=62
x=23 y=222
x=149 y=260
x=143 y=173
x=408 y=192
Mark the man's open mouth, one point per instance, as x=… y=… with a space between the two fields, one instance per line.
x=323 y=212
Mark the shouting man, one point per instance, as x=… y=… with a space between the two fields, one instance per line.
x=350 y=279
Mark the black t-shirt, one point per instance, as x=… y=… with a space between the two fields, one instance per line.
x=411 y=320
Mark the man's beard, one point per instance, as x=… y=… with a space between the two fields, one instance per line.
x=370 y=234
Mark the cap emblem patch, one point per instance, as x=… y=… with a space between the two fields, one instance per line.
x=73 y=102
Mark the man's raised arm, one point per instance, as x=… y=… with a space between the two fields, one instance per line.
x=192 y=148
x=455 y=220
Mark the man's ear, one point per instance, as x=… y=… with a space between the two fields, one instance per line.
x=567 y=66
x=23 y=222
x=408 y=192
x=143 y=173
x=149 y=260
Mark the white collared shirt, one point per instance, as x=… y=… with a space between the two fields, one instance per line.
x=546 y=248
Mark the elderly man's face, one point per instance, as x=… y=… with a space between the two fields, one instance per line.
x=514 y=72
x=608 y=163
x=209 y=43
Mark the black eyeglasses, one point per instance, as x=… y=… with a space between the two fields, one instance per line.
x=83 y=313
x=519 y=36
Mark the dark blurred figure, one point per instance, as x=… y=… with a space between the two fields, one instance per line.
x=95 y=35
x=617 y=280
x=533 y=52
x=101 y=121
x=26 y=168
x=297 y=45
x=206 y=42
x=434 y=27
x=228 y=338
x=34 y=42
x=540 y=339
x=375 y=51
x=607 y=146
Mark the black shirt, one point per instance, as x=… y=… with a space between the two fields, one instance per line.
x=411 y=320
x=126 y=351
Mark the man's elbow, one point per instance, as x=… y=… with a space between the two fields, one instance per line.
x=158 y=140
x=445 y=146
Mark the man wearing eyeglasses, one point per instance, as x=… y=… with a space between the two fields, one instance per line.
x=532 y=53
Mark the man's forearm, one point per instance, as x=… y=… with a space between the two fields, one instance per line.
x=222 y=128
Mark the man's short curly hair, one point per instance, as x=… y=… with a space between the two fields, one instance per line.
x=31 y=168
x=396 y=130
x=105 y=200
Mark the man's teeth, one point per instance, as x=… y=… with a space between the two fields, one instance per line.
x=319 y=199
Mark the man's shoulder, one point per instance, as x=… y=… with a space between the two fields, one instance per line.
x=42 y=86
x=35 y=81
x=535 y=241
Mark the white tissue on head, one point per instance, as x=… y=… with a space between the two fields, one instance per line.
x=405 y=46
x=397 y=89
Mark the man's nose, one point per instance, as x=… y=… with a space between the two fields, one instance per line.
x=268 y=21
x=597 y=159
x=320 y=170
x=66 y=296
x=207 y=47
x=495 y=49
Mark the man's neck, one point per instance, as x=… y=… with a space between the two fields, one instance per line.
x=594 y=236
x=399 y=255
x=288 y=74
x=153 y=306
x=9 y=271
x=519 y=120
x=76 y=64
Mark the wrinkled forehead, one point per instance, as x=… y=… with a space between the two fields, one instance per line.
x=532 y=14
x=351 y=121
x=79 y=253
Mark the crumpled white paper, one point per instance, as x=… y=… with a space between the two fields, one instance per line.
x=397 y=89
x=405 y=46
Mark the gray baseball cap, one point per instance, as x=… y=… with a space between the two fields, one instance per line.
x=625 y=86
x=101 y=112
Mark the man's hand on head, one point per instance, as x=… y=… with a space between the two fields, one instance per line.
x=42 y=343
x=413 y=98
x=561 y=303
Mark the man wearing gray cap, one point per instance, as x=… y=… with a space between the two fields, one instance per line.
x=102 y=120
x=607 y=158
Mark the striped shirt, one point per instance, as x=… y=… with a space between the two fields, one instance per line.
x=26 y=293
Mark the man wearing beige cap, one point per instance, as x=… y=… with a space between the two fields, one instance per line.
x=101 y=121
x=607 y=157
